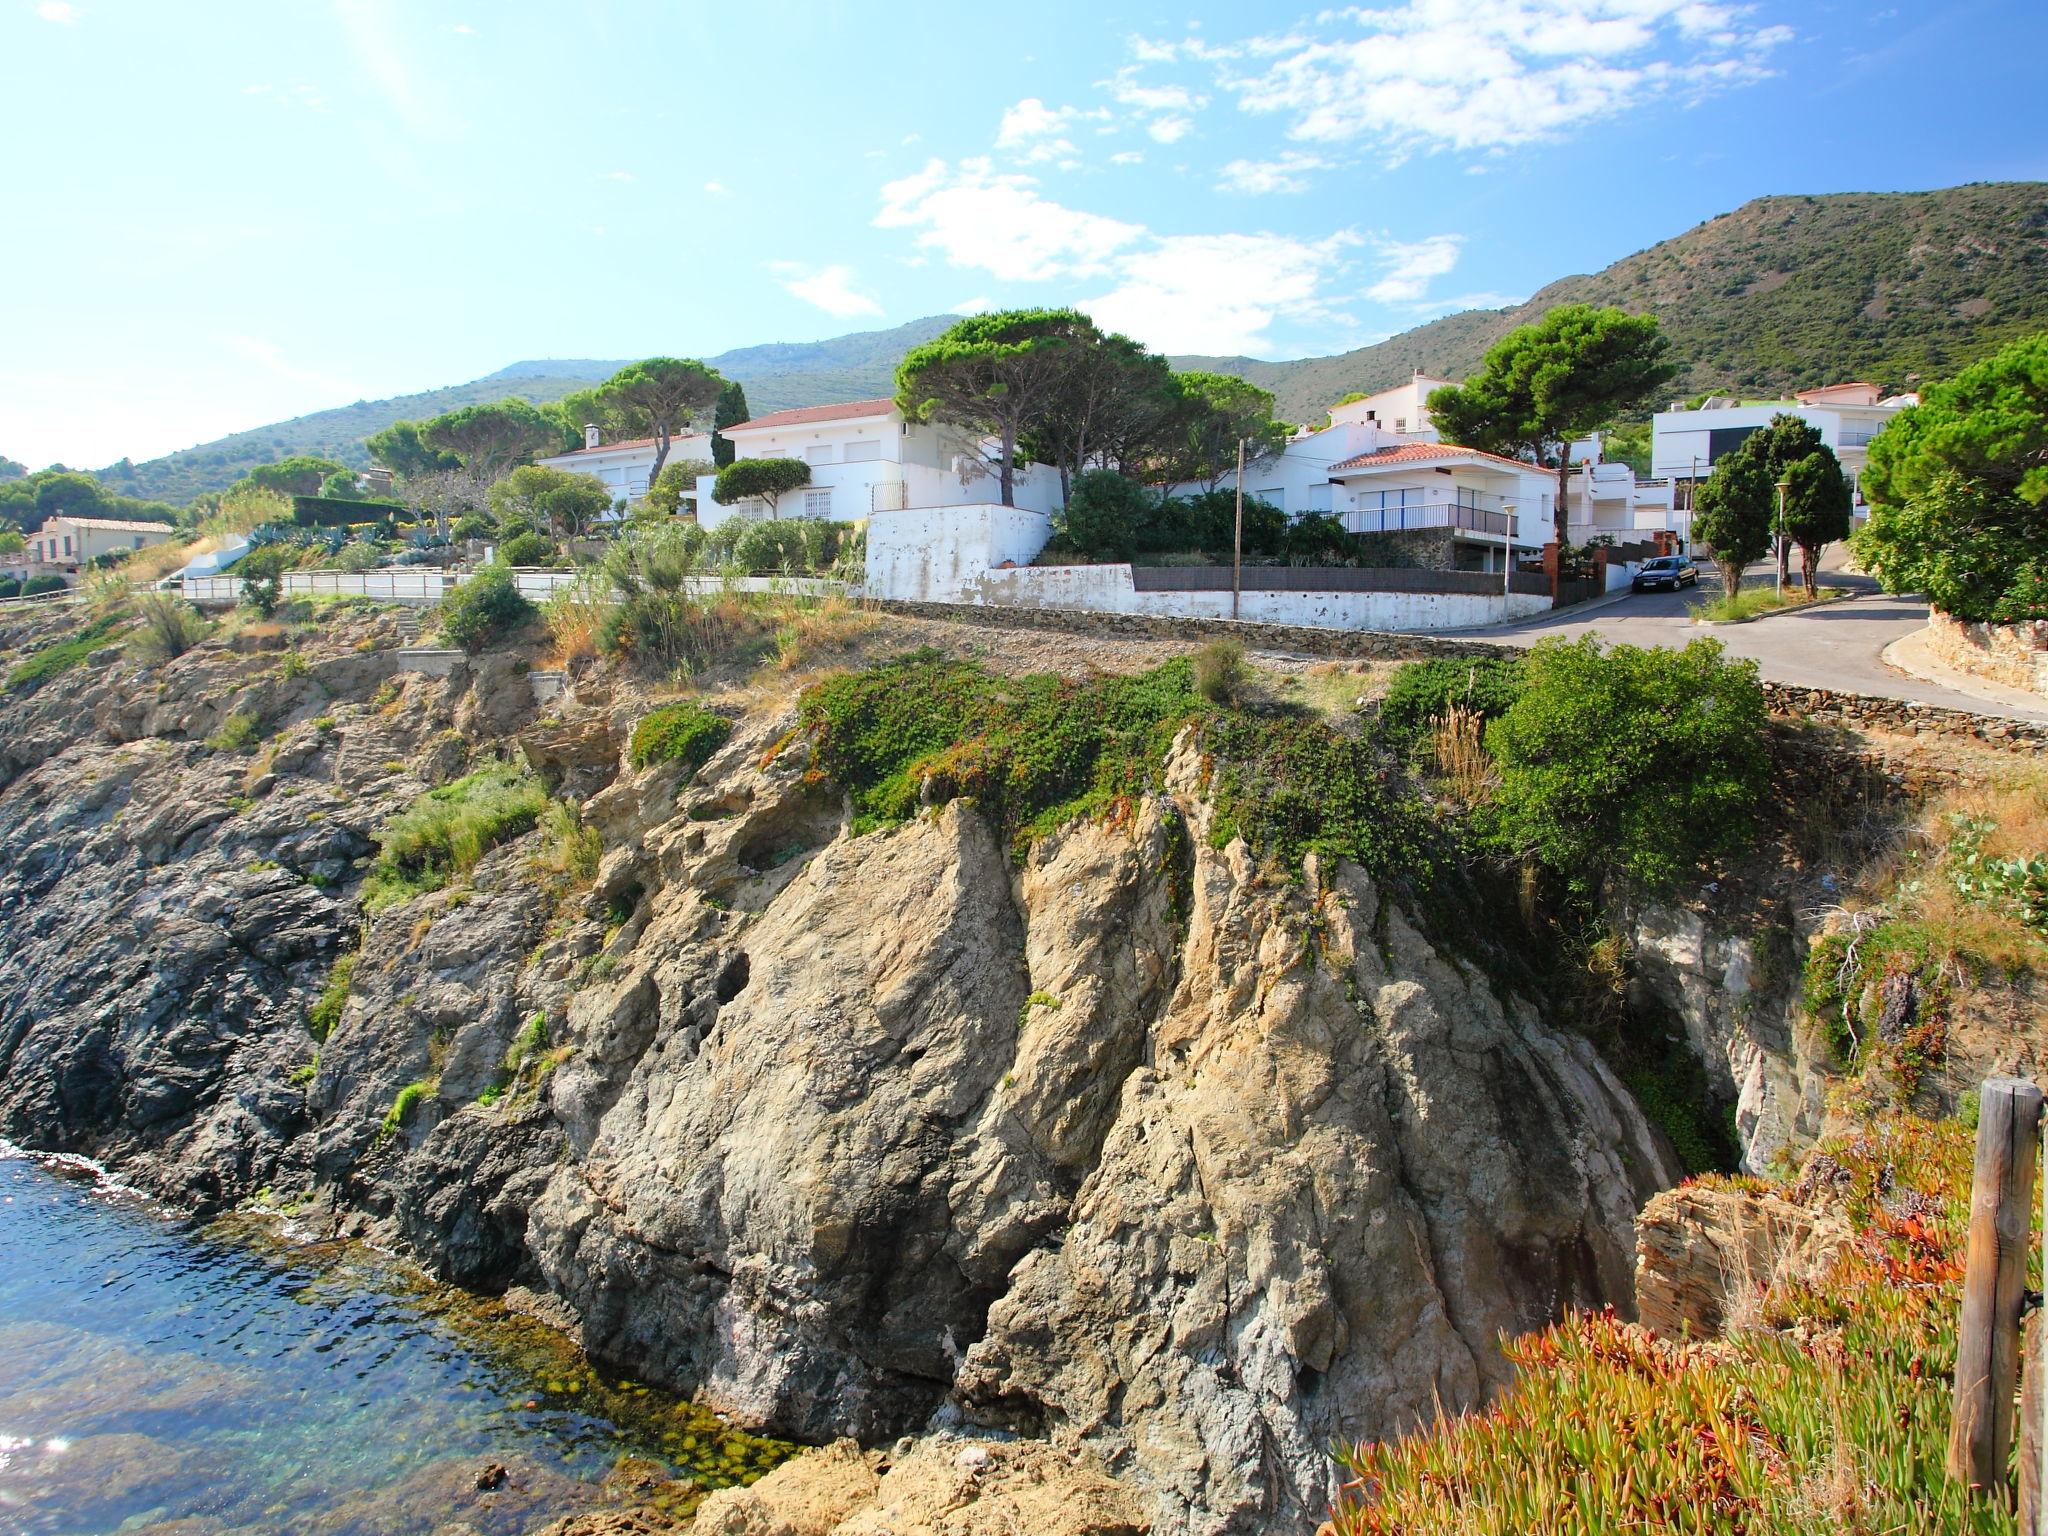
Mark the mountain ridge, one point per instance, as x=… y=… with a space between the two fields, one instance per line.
x=1784 y=292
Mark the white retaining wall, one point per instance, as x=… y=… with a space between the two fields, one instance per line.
x=1108 y=589
x=938 y=554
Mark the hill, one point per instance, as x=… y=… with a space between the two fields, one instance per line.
x=776 y=376
x=1782 y=293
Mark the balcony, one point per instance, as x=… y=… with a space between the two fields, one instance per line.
x=1428 y=507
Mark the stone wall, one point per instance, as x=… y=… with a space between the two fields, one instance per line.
x=1858 y=710
x=2013 y=654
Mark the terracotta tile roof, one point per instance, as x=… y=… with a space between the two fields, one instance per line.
x=624 y=442
x=118 y=524
x=1417 y=453
x=846 y=410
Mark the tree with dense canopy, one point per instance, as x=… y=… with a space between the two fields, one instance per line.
x=300 y=475
x=1113 y=405
x=1958 y=486
x=1736 y=507
x=730 y=411
x=1545 y=383
x=665 y=492
x=997 y=375
x=1217 y=410
x=1818 y=507
x=12 y=469
x=492 y=439
x=540 y=494
x=400 y=449
x=658 y=397
x=767 y=479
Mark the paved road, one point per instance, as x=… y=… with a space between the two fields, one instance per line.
x=1835 y=646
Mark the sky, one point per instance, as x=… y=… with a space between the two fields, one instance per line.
x=223 y=214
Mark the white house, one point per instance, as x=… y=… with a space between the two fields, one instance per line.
x=1402 y=410
x=626 y=467
x=65 y=543
x=1685 y=443
x=866 y=459
x=1458 y=508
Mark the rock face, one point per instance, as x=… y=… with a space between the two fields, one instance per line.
x=1707 y=1258
x=1190 y=1170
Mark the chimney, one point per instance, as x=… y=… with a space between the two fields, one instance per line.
x=590 y=434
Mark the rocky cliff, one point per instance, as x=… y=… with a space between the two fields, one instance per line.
x=1128 y=1142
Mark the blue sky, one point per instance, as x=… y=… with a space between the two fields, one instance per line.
x=227 y=213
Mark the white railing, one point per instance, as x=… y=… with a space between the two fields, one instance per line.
x=1490 y=515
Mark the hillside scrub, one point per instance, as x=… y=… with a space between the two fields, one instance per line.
x=683 y=733
x=59 y=657
x=1830 y=1413
x=484 y=608
x=447 y=831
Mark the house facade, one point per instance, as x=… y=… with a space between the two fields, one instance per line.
x=866 y=460
x=1449 y=507
x=1402 y=410
x=65 y=543
x=627 y=466
x=1685 y=444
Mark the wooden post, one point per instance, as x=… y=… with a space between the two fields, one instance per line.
x=1988 y=1337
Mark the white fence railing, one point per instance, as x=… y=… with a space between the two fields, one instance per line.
x=420 y=587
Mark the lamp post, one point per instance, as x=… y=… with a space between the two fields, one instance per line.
x=1782 y=487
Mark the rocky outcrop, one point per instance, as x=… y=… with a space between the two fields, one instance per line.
x=1708 y=1258
x=1184 y=1170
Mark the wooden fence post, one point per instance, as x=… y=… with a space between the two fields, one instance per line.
x=1988 y=1337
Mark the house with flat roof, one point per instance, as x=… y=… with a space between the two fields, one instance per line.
x=865 y=459
x=1686 y=443
x=1402 y=410
x=64 y=543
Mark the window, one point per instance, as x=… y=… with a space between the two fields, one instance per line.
x=818 y=503
x=818 y=453
x=860 y=452
x=1400 y=423
x=1274 y=496
x=67 y=546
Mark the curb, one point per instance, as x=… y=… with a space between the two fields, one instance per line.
x=1897 y=657
x=1829 y=595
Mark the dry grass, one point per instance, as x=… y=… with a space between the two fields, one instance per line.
x=814 y=630
x=156 y=561
x=575 y=617
x=1461 y=754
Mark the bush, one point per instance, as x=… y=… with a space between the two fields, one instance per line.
x=170 y=626
x=774 y=545
x=1639 y=761
x=1424 y=691
x=1315 y=538
x=444 y=833
x=36 y=586
x=238 y=733
x=678 y=733
x=9 y=587
x=326 y=1011
x=485 y=606
x=1208 y=522
x=528 y=548
x=1219 y=670
x=1103 y=515
x=471 y=525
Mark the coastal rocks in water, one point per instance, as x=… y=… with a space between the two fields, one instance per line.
x=1707 y=1258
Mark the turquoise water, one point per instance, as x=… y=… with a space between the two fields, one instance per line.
x=159 y=1377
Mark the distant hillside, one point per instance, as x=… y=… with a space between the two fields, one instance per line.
x=776 y=376
x=1783 y=293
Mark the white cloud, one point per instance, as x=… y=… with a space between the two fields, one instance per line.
x=1284 y=173
x=974 y=216
x=1220 y=293
x=717 y=189
x=463 y=29
x=1170 y=130
x=829 y=288
x=1408 y=267
x=1036 y=133
x=980 y=304
x=1127 y=157
x=1424 y=75
x=60 y=11
x=614 y=175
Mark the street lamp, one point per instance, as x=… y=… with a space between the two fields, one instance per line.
x=1782 y=487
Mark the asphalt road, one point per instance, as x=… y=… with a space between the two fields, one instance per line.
x=1837 y=645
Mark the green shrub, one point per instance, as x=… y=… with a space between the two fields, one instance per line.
x=170 y=626
x=36 y=586
x=1315 y=538
x=1219 y=670
x=327 y=1008
x=1104 y=514
x=402 y=1107
x=484 y=607
x=1640 y=761
x=528 y=548
x=9 y=587
x=1422 y=691
x=771 y=545
x=528 y=1045
x=444 y=833
x=1208 y=522
x=56 y=659
x=238 y=733
x=683 y=733
x=471 y=525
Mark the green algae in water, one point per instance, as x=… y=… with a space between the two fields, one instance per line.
x=230 y=1374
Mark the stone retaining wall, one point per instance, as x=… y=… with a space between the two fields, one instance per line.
x=1859 y=710
x=2013 y=654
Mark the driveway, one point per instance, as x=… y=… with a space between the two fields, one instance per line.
x=1835 y=646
